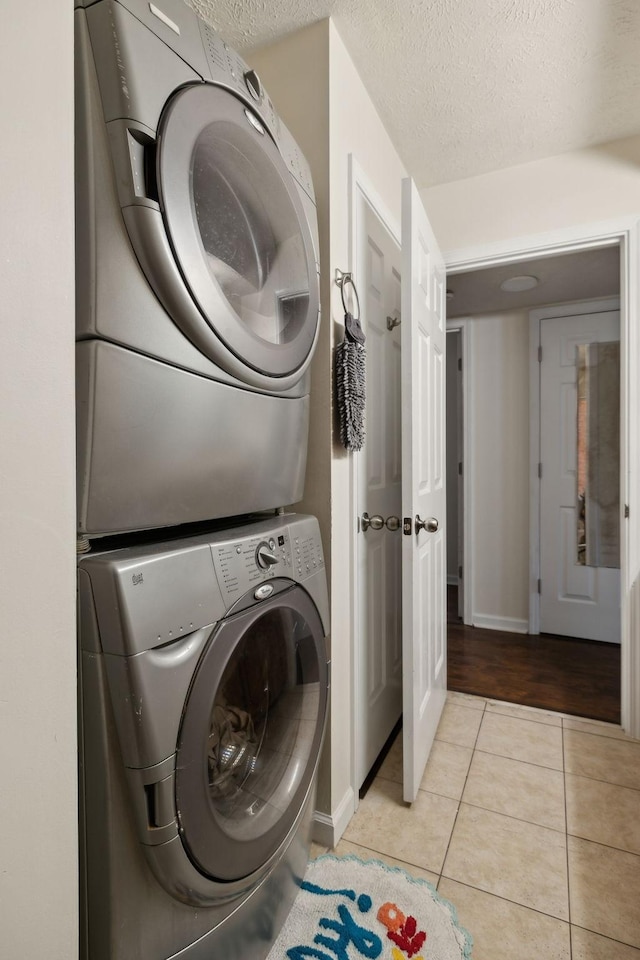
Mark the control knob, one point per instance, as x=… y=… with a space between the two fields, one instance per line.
x=265 y=557
x=254 y=86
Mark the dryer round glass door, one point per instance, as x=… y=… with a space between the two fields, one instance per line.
x=251 y=734
x=238 y=229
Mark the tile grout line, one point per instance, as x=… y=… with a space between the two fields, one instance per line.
x=610 y=783
x=566 y=839
x=515 y=903
x=455 y=819
x=509 y=816
x=623 y=943
x=607 y=846
x=502 y=756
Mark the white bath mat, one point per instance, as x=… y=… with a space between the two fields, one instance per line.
x=350 y=909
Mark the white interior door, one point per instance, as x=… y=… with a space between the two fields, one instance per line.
x=379 y=692
x=424 y=568
x=575 y=600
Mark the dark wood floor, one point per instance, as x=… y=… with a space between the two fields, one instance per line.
x=579 y=677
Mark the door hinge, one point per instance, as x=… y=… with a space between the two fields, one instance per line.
x=539 y=354
x=626 y=511
x=460 y=364
x=459 y=573
x=460 y=468
x=539 y=586
x=540 y=471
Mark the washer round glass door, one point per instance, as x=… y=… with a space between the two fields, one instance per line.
x=238 y=228
x=251 y=734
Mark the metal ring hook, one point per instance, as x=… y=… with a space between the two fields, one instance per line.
x=343 y=280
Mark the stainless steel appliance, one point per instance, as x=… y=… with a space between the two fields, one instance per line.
x=197 y=276
x=204 y=684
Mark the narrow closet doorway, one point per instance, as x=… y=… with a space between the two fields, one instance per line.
x=522 y=538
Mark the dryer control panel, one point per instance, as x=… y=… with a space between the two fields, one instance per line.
x=229 y=69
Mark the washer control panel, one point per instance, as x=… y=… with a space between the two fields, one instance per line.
x=307 y=556
x=249 y=561
x=289 y=549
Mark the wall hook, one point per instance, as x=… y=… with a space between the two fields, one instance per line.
x=343 y=280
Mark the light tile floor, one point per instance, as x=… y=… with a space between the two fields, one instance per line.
x=528 y=821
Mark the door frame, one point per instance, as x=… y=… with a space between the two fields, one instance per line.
x=465 y=327
x=577 y=308
x=626 y=232
x=361 y=188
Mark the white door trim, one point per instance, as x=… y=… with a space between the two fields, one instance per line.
x=465 y=326
x=360 y=188
x=626 y=232
x=535 y=316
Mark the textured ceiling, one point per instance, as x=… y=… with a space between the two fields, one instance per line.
x=469 y=86
x=573 y=276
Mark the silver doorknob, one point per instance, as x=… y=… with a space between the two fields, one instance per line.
x=376 y=522
x=392 y=523
x=430 y=525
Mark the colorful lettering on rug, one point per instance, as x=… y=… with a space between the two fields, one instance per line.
x=402 y=930
x=351 y=940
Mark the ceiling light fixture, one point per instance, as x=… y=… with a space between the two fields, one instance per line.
x=518 y=284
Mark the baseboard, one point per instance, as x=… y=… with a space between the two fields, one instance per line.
x=327 y=829
x=508 y=624
x=452 y=580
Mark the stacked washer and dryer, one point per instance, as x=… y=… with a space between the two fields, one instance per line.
x=203 y=607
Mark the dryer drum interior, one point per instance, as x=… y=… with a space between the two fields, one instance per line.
x=250 y=735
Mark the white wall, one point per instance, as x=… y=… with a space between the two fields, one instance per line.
x=452 y=456
x=562 y=193
x=499 y=470
x=580 y=187
x=354 y=127
x=38 y=810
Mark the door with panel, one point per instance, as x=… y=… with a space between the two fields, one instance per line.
x=379 y=687
x=578 y=598
x=424 y=567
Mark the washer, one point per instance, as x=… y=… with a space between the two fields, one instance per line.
x=197 y=276
x=204 y=685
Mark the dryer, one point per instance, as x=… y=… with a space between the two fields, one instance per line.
x=203 y=702
x=197 y=276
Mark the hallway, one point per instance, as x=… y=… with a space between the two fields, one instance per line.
x=579 y=677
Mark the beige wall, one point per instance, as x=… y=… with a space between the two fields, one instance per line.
x=499 y=469
x=452 y=455
x=330 y=81
x=304 y=108
x=581 y=187
x=38 y=806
